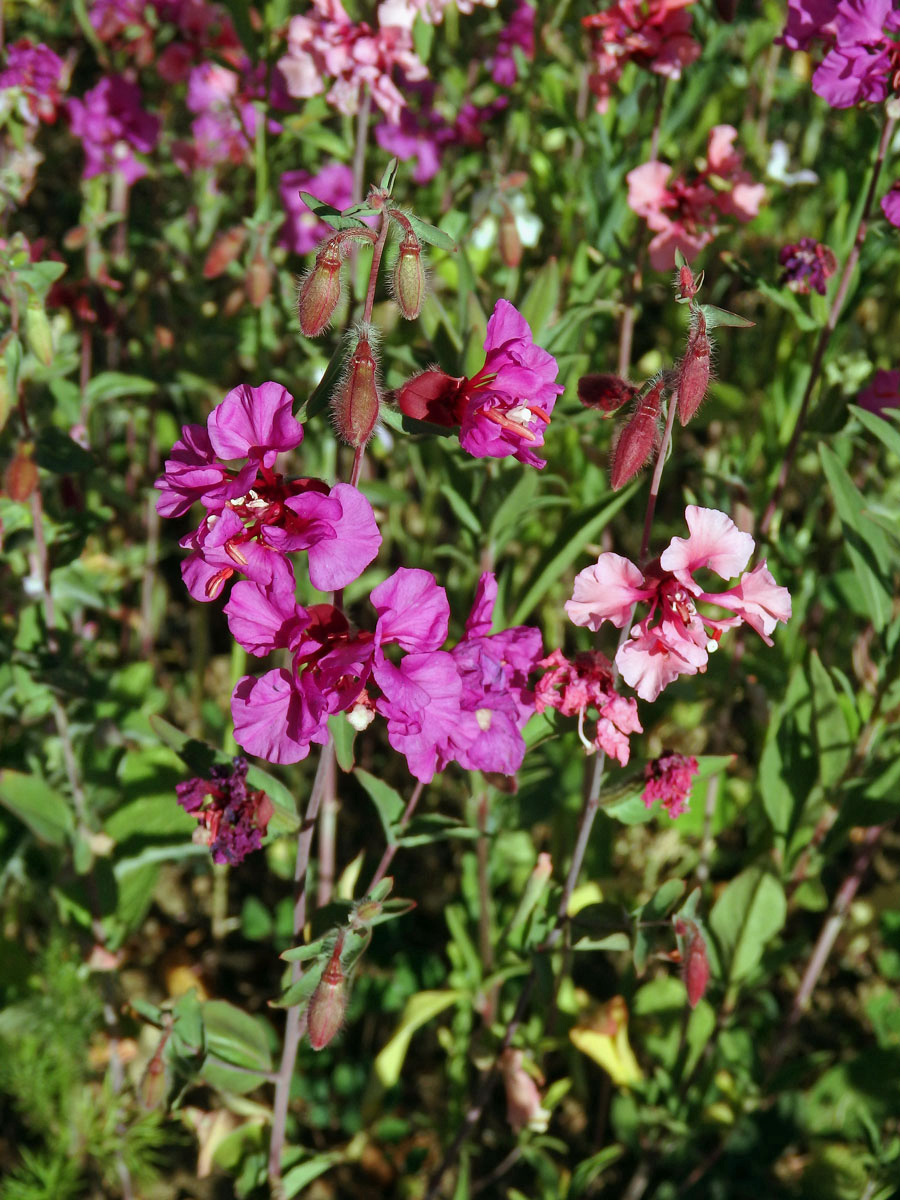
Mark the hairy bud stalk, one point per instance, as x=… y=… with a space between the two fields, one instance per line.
x=357 y=402
x=636 y=440
x=695 y=970
x=328 y=1003
x=409 y=277
x=321 y=290
x=694 y=370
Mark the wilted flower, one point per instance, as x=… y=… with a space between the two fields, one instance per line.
x=233 y=818
x=523 y=1100
x=682 y=639
x=807 y=265
x=587 y=681
x=669 y=778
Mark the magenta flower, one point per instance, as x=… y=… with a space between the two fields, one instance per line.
x=890 y=204
x=883 y=392
x=587 y=682
x=862 y=57
x=420 y=134
x=504 y=408
x=38 y=75
x=807 y=265
x=808 y=20
x=302 y=230
x=255 y=423
x=685 y=214
x=112 y=123
x=669 y=778
x=519 y=31
x=232 y=817
x=681 y=640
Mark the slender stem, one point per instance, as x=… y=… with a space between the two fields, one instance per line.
x=293 y=1029
x=359 y=150
x=327 y=837
x=828 y=328
x=376 y=263
x=657 y=476
x=389 y=851
x=485 y=943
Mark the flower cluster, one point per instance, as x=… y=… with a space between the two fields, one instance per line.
x=504 y=408
x=669 y=778
x=807 y=266
x=325 y=43
x=233 y=818
x=112 y=123
x=684 y=214
x=573 y=687
x=675 y=638
x=863 y=58
x=654 y=34
x=518 y=32
x=32 y=82
x=467 y=705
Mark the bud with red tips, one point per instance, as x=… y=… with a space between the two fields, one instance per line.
x=224 y=251
x=321 y=289
x=357 y=402
x=694 y=370
x=637 y=440
x=409 y=277
x=21 y=477
x=695 y=969
x=608 y=393
x=325 y=1014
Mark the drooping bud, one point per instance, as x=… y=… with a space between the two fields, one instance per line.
x=357 y=401
x=259 y=280
x=37 y=331
x=224 y=251
x=21 y=476
x=695 y=970
x=693 y=372
x=524 y=1109
x=328 y=1003
x=608 y=393
x=432 y=396
x=321 y=290
x=637 y=439
x=409 y=277
x=509 y=242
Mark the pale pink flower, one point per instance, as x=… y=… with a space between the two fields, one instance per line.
x=683 y=637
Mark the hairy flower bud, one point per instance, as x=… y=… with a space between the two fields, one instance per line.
x=357 y=401
x=321 y=290
x=637 y=439
x=259 y=280
x=693 y=372
x=37 y=331
x=224 y=251
x=509 y=242
x=409 y=277
x=608 y=393
x=695 y=970
x=328 y=1003
x=21 y=475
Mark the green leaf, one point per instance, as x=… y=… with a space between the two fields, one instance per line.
x=428 y=828
x=745 y=918
x=55 y=451
x=787 y=769
x=298 y=1177
x=590 y=1169
x=461 y=509
x=329 y=214
x=428 y=233
x=833 y=741
x=389 y=175
x=233 y=1037
x=721 y=316
x=387 y=801
x=419 y=1010
x=324 y=389
x=115 y=385
x=37 y=805
x=343 y=735
x=664 y=899
x=881 y=427
x=541 y=299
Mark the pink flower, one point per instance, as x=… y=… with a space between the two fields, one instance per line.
x=883 y=392
x=38 y=75
x=587 y=681
x=653 y=33
x=890 y=203
x=112 y=123
x=523 y=1100
x=685 y=214
x=682 y=639
x=669 y=778
x=504 y=408
x=518 y=32
x=302 y=230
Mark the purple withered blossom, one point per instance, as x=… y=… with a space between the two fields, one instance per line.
x=883 y=392
x=669 y=778
x=232 y=817
x=37 y=75
x=588 y=682
x=807 y=265
x=112 y=123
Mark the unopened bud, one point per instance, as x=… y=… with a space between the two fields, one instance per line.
x=234 y=302
x=368 y=910
x=76 y=238
x=637 y=439
x=509 y=242
x=608 y=393
x=259 y=280
x=37 y=331
x=409 y=277
x=356 y=403
x=693 y=373
x=21 y=476
x=320 y=290
x=224 y=251
x=329 y=1002
x=696 y=964
x=432 y=396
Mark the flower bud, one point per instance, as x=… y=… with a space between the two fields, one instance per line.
x=409 y=277
x=224 y=251
x=637 y=439
x=37 y=331
x=695 y=970
x=509 y=242
x=356 y=403
x=21 y=476
x=329 y=1002
x=608 y=393
x=693 y=373
x=320 y=290
x=259 y=280
x=432 y=396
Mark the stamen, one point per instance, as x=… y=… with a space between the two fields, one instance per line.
x=214 y=586
x=505 y=423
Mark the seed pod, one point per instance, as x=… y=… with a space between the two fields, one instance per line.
x=608 y=393
x=320 y=290
x=21 y=477
x=224 y=251
x=37 y=331
x=357 y=401
x=509 y=242
x=329 y=1002
x=636 y=440
x=409 y=277
x=693 y=373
